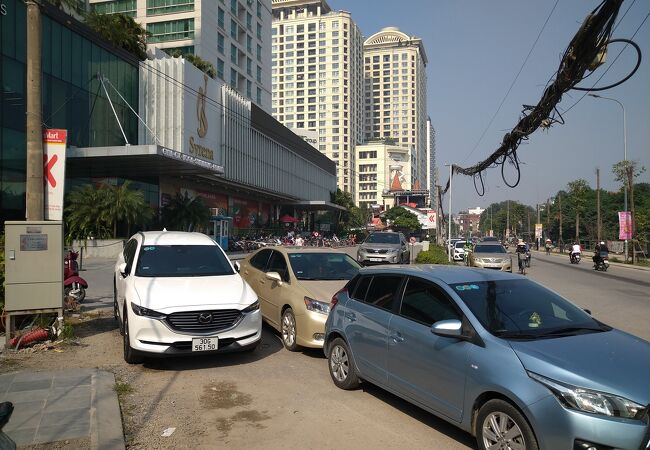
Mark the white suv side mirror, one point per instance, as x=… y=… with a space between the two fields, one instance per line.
x=122 y=269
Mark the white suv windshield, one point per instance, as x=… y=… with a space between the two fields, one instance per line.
x=182 y=261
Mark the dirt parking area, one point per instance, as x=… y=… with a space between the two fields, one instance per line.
x=268 y=399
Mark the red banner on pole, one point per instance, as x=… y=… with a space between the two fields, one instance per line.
x=625 y=225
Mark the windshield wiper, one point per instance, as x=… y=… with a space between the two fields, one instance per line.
x=515 y=335
x=569 y=331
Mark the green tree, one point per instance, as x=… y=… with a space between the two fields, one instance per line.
x=85 y=215
x=204 y=66
x=69 y=6
x=121 y=30
x=95 y=211
x=402 y=218
x=625 y=172
x=124 y=204
x=184 y=213
x=577 y=199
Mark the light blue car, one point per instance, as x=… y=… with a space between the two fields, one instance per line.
x=496 y=354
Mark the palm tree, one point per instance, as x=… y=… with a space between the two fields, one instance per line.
x=122 y=203
x=85 y=215
x=185 y=213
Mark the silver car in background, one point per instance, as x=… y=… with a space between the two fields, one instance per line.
x=384 y=247
x=493 y=353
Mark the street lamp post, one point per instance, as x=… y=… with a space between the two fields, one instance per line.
x=624 y=156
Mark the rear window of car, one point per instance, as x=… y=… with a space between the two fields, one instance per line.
x=361 y=288
x=260 y=259
x=382 y=290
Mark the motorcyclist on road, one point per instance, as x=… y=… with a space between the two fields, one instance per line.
x=467 y=248
x=548 y=246
x=522 y=254
x=600 y=251
x=575 y=250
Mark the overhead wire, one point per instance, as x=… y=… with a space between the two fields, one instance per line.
x=583 y=54
x=539 y=34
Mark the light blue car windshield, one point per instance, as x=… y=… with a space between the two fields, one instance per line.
x=523 y=309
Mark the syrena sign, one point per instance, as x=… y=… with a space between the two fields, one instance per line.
x=3 y=9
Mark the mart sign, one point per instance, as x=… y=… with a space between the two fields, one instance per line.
x=54 y=143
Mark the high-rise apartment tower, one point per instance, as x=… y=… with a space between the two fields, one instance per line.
x=395 y=96
x=317 y=78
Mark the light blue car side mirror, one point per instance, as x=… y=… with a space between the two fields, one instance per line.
x=448 y=328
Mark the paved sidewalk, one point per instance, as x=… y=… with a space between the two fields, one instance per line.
x=63 y=405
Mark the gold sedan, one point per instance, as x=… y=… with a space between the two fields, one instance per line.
x=490 y=255
x=295 y=286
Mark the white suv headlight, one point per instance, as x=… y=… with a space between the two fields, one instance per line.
x=146 y=312
x=594 y=402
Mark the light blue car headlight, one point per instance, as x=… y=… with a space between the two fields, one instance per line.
x=589 y=401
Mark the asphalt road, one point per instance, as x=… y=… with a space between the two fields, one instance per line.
x=619 y=297
x=280 y=399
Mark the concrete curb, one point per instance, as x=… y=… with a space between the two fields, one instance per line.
x=106 y=431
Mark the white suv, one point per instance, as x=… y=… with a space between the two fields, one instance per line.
x=177 y=293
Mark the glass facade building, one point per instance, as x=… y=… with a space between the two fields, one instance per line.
x=72 y=97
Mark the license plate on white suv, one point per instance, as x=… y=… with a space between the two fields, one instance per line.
x=205 y=344
x=375 y=259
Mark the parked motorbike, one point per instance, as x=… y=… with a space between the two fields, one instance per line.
x=6 y=409
x=575 y=258
x=73 y=285
x=602 y=264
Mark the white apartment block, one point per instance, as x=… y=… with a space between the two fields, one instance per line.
x=234 y=35
x=395 y=100
x=317 y=79
x=432 y=178
x=382 y=170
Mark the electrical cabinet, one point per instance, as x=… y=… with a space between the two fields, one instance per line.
x=33 y=265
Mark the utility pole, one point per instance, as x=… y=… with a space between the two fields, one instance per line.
x=630 y=180
x=537 y=239
x=450 y=219
x=548 y=217
x=34 y=207
x=508 y=221
x=598 y=223
x=560 y=242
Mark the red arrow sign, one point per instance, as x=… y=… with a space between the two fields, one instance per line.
x=48 y=169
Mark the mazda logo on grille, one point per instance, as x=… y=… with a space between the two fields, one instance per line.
x=205 y=318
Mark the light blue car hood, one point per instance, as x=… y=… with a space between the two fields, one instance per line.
x=611 y=361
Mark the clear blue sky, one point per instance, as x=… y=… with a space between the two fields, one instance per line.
x=475 y=48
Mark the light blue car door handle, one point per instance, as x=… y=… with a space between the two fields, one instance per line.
x=350 y=316
x=397 y=337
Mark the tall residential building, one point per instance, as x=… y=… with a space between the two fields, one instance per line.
x=395 y=100
x=234 y=35
x=317 y=78
x=432 y=179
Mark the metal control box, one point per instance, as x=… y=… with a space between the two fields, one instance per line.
x=33 y=265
